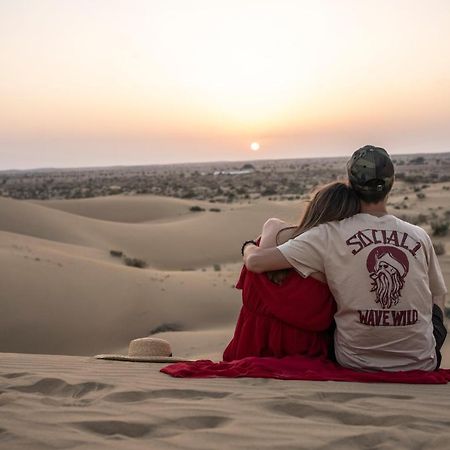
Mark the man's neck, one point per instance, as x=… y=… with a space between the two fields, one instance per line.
x=375 y=209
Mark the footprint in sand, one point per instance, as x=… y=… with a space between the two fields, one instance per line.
x=58 y=387
x=196 y=422
x=138 y=396
x=355 y=414
x=164 y=428
x=344 y=397
x=15 y=374
x=116 y=427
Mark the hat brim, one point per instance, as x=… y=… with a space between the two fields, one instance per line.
x=148 y=359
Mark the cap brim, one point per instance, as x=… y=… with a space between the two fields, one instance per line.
x=149 y=359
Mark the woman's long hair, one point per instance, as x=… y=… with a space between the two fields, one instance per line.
x=334 y=201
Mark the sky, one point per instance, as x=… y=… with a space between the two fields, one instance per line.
x=107 y=82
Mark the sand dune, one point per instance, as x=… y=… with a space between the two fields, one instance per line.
x=191 y=241
x=123 y=208
x=74 y=300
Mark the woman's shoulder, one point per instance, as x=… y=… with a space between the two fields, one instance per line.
x=275 y=224
x=272 y=230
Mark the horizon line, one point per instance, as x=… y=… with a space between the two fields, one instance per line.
x=185 y=163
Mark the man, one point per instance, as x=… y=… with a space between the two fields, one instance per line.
x=382 y=271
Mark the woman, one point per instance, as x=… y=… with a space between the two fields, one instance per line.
x=282 y=312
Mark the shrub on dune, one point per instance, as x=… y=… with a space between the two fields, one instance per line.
x=164 y=327
x=196 y=208
x=439 y=248
x=135 y=262
x=440 y=227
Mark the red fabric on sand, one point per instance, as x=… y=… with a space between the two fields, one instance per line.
x=299 y=368
x=280 y=320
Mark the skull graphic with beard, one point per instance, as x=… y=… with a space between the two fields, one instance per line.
x=388 y=267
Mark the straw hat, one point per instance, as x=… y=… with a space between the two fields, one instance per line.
x=146 y=349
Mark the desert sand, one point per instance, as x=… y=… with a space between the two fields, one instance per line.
x=63 y=293
x=76 y=402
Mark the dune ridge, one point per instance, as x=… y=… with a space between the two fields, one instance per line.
x=125 y=208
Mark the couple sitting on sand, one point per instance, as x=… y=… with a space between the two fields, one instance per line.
x=350 y=282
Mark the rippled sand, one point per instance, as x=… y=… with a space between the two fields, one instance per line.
x=78 y=402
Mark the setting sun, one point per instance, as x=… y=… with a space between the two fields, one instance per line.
x=255 y=146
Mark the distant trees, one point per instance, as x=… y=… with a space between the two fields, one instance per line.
x=219 y=182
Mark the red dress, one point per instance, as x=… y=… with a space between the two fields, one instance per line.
x=293 y=318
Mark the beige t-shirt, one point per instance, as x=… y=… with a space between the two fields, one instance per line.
x=383 y=273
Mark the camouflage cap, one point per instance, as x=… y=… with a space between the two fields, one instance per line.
x=370 y=169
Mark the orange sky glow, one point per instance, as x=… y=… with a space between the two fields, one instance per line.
x=106 y=82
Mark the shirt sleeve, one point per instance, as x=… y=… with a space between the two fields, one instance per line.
x=306 y=253
x=437 y=283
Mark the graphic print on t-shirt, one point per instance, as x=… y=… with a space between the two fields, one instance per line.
x=388 y=267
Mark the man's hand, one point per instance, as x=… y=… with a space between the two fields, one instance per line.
x=260 y=260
